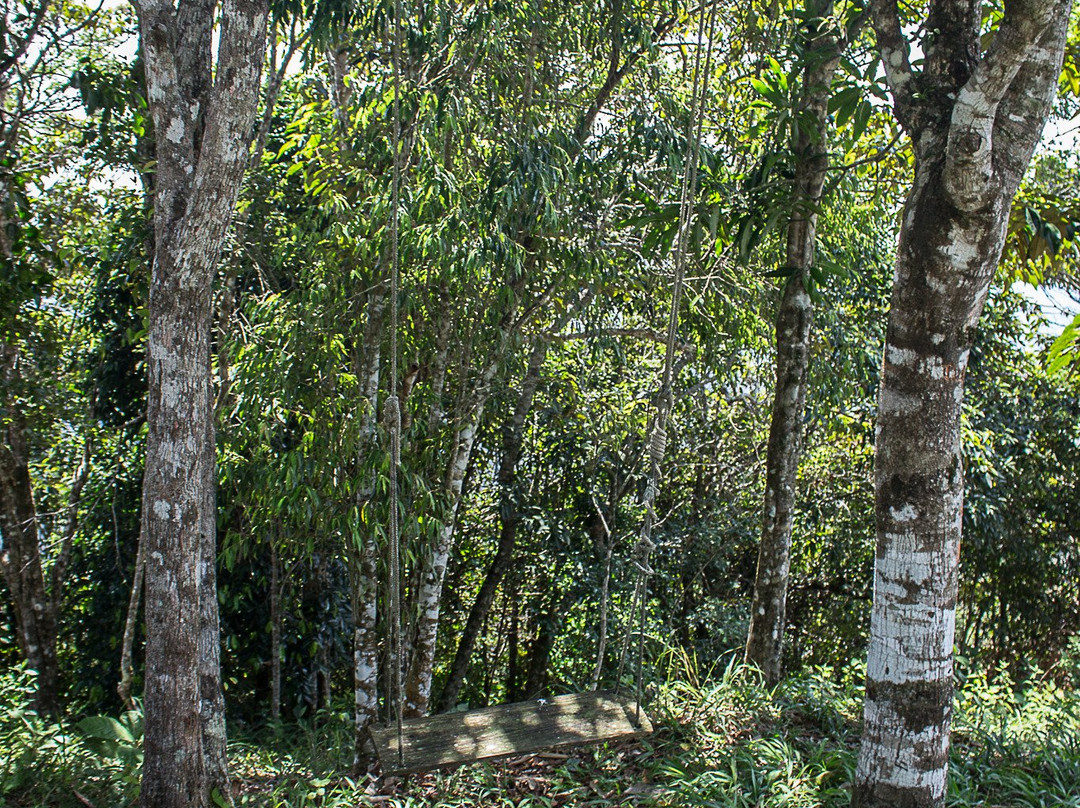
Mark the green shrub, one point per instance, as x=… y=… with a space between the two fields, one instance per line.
x=47 y=763
x=39 y=759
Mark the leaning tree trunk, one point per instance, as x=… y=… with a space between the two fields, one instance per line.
x=974 y=121
x=510 y=517
x=203 y=115
x=422 y=660
x=764 y=643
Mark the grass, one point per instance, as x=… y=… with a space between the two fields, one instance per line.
x=722 y=739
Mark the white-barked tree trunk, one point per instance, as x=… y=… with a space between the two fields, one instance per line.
x=974 y=119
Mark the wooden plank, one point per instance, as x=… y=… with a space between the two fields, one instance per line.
x=509 y=729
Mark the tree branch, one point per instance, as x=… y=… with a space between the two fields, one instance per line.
x=1025 y=104
x=23 y=43
x=895 y=58
x=616 y=73
x=646 y=334
x=969 y=164
x=59 y=569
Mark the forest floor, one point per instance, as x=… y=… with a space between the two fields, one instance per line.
x=720 y=741
x=727 y=741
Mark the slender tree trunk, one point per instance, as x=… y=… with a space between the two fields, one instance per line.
x=203 y=115
x=429 y=597
x=510 y=515
x=362 y=550
x=364 y=571
x=438 y=370
x=540 y=654
x=36 y=601
x=20 y=554
x=127 y=668
x=974 y=120
x=513 y=665
x=145 y=155
x=364 y=554
x=605 y=597
x=58 y=572
x=275 y=631
x=764 y=644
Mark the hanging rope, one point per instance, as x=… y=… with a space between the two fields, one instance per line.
x=393 y=405
x=645 y=546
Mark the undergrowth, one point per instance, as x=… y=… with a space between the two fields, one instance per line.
x=722 y=739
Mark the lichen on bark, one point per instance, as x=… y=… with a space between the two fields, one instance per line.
x=974 y=120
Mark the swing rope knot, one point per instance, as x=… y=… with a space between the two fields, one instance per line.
x=392 y=412
x=657 y=443
x=643 y=549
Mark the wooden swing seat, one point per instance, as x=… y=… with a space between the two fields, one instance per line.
x=451 y=739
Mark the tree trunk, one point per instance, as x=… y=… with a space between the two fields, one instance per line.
x=362 y=550
x=513 y=665
x=127 y=668
x=20 y=553
x=363 y=553
x=510 y=518
x=174 y=772
x=363 y=572
x=422 y=656
x=146 y=157
x=605 y=597
x=211 y=691
x=203 y=115
x=540 y=654
x=36 y=603
x=275 y=631
x=764 y=644
x=974 y=122
x=422 y=660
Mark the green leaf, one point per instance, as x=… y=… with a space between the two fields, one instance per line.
x=862 y=118
x=844 y=104
x=1066 y=348
x=105 y=728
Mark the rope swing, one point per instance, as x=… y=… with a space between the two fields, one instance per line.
x=657 y=441
x=513 y=729
x=393 y=405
